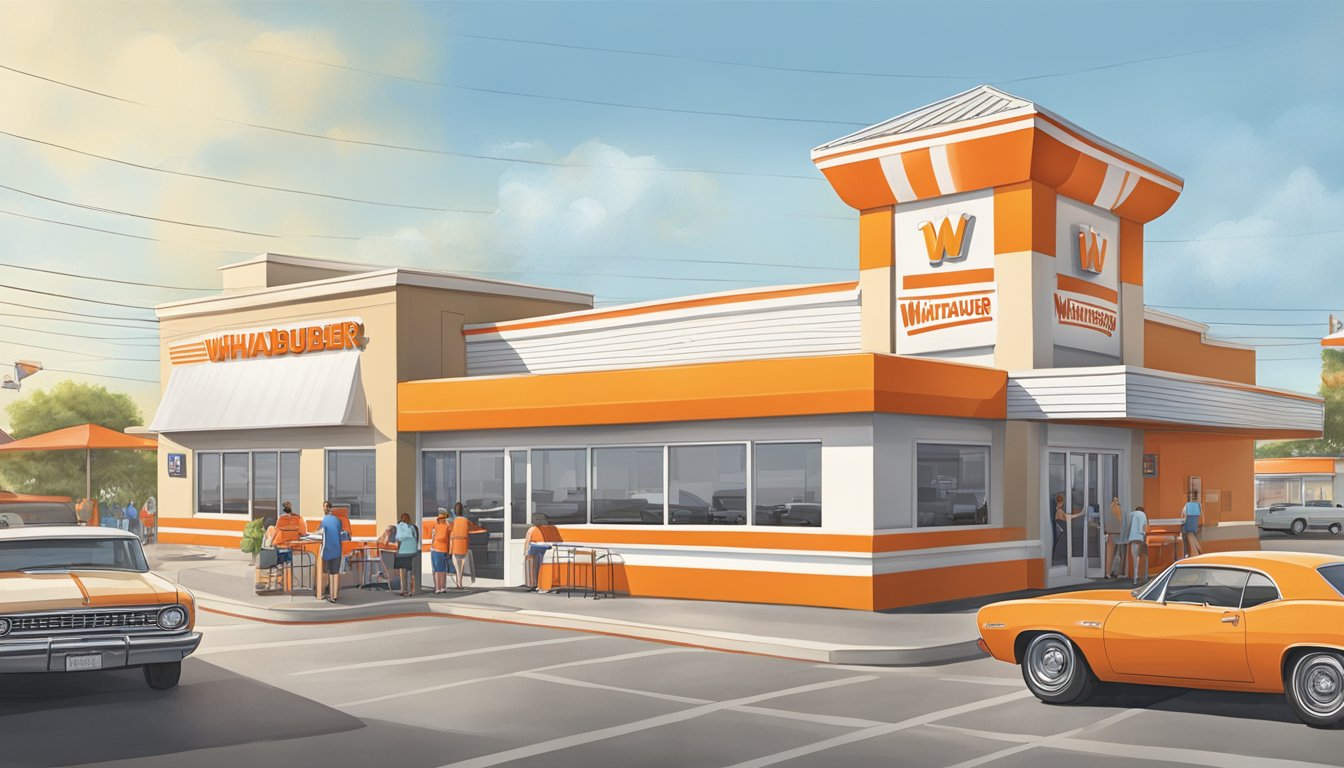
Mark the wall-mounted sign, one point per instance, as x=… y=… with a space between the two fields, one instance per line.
x=1150 y=465
x=946 y=295
x=1086 y=299
x=177 y=465
x=328 y=335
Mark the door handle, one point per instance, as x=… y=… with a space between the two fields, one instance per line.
x=1230 y=619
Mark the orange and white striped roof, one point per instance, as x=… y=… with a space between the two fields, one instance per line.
x=985 y=138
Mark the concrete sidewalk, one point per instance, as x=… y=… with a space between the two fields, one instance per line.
x=222 y=582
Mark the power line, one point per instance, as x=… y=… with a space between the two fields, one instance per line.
x=547 y=97
x=421 y=150
x=103 y=279
x=238 y=182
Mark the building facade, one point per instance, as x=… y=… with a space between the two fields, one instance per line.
x=954 y=422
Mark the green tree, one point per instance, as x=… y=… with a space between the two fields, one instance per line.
x=1332 y=441
x=119 y=476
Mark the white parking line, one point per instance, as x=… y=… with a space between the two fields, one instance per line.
x=314 y=641
x=880 y=730
x=441 y=656
x=584 y=662
x=565 y=742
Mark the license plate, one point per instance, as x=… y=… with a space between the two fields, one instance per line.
x=81 y=663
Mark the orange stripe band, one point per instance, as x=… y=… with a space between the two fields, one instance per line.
x=943 y=279
x=1075 y=285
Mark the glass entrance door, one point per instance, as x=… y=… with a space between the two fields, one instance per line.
x=1081 y=485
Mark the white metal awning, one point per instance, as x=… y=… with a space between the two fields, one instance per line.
x=315 y=390
x=1143 y=397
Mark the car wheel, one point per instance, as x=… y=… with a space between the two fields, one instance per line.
x=1315 y=689
x=164 y=675
x=1335 y=528
x=1299 y=525
x=1055 y=670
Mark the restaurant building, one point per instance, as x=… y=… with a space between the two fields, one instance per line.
x=897 y=439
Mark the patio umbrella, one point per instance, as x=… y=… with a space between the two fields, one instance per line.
x=86 y=437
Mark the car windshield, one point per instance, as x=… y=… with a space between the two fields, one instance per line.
x=110 y=554
x=13 y=515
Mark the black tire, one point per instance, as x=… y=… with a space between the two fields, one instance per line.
x=1314 y=687
x=1335 y=528
x=164 y=675
x=1055 y=670
x=1299 y=525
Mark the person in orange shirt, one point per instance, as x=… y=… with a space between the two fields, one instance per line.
x=438 y=551
x=458 y=540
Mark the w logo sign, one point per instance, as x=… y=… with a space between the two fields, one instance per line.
x=1091 y=250
x=946 y=241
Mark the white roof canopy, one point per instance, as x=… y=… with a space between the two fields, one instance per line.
x=313 y=390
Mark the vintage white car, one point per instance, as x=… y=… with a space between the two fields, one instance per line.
x=74 y=599
x=1300 y=518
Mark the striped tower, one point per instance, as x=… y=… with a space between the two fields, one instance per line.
x=994 y=231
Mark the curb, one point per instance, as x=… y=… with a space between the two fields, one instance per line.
x=801 y=650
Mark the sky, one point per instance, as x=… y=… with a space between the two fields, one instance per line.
x=632 y=150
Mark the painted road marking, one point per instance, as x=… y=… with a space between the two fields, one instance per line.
x=441 y=656
x=565 y=742
x=314 y=641
x=880 y=730
x=445 y=686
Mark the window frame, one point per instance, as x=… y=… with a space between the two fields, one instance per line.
x=914 y=484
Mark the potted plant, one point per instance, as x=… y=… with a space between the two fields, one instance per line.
x=252 y=535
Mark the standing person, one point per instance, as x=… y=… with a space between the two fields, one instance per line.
x=458 y=540
x=1191 y=527
x=1114 y=525
x=438 y=551
x=535 y=547
x=333 y=533
x=1136 y=538
x=408 y=546
x=131 y=517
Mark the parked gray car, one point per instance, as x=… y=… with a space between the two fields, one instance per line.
x=1299 y=518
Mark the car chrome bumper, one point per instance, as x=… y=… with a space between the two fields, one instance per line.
x=117 y=651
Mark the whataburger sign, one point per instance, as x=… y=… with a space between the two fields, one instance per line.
x=294 y=340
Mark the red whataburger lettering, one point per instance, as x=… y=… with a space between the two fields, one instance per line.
x=946 y=241
x=1091 y=257
x=930 y=314
x=1085 y=315
x=278 y=341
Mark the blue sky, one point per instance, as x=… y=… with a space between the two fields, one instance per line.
x=1244 y=100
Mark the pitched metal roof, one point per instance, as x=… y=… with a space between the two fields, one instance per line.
x=981 y=101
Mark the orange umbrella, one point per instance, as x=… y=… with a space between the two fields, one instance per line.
x=84 y=437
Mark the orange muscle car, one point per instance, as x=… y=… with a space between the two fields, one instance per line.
x=1266 y=622
x=75 y=598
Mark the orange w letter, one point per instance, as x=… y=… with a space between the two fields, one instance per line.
x=946 y=242
x=1089 y=257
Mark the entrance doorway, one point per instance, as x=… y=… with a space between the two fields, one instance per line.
x=1081 y=486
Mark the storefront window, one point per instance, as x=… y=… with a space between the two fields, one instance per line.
x=482 y=483
x=236 y=490
x=707 y=484
x=351 y=480
x=560 y=486
x=438 y=476
x=1318 y=489
x=628 y=485
x=208 y=488
x=952 y=484
x=788 y=484
x=289 y=479
x=265 y=485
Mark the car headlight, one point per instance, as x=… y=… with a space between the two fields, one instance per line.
x=172 y=618
x=4 y=627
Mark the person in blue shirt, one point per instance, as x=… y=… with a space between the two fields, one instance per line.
x=333 y=533
x=1191 y=527
x=130 y=516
